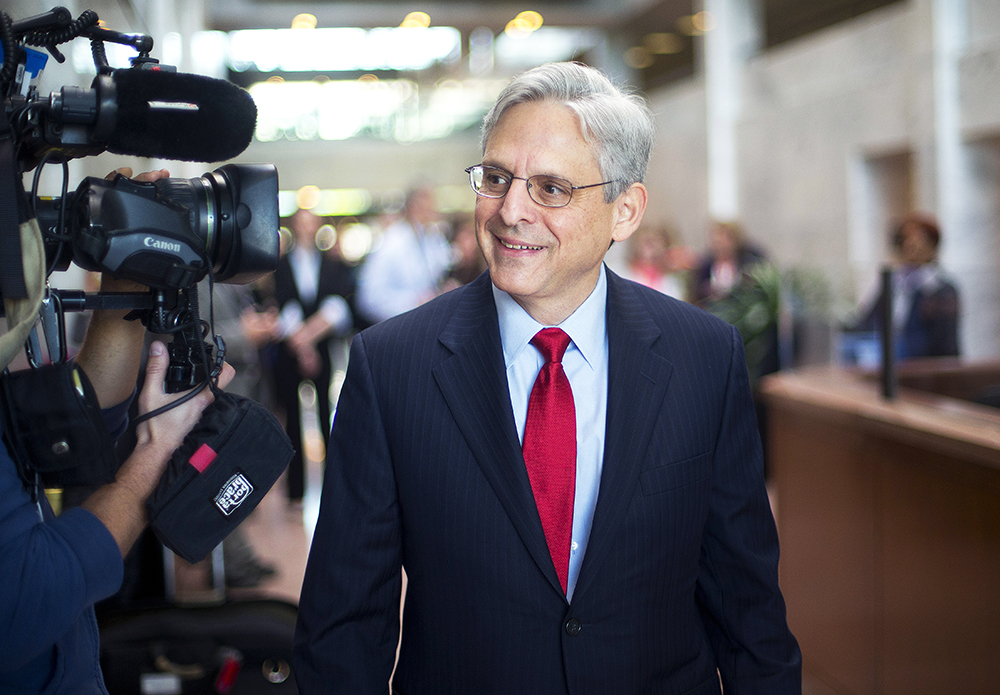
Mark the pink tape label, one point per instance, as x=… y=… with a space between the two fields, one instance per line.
x=202 y=458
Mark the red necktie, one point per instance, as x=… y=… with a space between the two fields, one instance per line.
x=550 y=447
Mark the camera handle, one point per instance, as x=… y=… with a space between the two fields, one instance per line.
x=190 y=354
x=57 y=302
x=173 y=312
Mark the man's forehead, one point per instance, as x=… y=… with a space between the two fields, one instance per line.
x=549 y=138
x=547 y=111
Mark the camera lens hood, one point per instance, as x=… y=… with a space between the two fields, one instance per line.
x=247 y=242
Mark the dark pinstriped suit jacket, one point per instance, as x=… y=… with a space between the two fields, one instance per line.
x=425 y=471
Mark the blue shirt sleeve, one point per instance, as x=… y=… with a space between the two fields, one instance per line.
x=51 y=569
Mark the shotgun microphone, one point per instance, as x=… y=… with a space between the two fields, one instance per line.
x=173 y=115
x=147 y=113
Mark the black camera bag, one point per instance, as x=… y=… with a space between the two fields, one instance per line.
x=220 y=473
x=53 y=427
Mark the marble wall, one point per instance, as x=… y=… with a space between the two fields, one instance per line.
x=842 y=130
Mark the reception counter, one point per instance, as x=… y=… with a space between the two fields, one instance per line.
x=889 y=519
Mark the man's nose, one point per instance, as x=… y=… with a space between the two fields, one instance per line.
x=517 y=204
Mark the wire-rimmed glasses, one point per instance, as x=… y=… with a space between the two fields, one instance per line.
x=548 y=191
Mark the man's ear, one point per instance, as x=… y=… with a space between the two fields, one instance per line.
x=629 y=209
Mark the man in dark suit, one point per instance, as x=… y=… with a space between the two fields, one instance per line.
x=666 y=577
x=314 y=292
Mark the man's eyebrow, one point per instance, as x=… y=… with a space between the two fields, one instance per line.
x=508 y=171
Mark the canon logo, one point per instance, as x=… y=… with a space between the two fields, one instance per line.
x=154 y=243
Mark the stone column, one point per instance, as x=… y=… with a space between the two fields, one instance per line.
x=733 y=36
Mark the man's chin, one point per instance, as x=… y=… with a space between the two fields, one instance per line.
x=512 y=284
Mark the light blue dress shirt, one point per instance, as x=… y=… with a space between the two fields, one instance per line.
x=586 y=367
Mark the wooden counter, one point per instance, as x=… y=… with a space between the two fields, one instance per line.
x=889 y=519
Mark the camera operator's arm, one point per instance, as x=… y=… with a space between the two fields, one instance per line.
x=121 y=505
x=112 y=349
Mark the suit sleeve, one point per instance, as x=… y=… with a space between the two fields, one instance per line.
x=348 y=625
x=741 y=604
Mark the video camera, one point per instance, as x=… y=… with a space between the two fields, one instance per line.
x=167 y=235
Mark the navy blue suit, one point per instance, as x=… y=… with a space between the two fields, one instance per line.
x=425 y=471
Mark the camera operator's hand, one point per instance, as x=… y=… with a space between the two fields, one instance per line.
x=146 y=176
x=121 y=505
x=162 y=434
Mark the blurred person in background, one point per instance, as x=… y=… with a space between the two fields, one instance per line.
x=736 y=282
x=468 y=261
x=314 y=291
x=655 y=261
x=726 y=262
x=925 y=300
x=408 y=264
x=247 y=329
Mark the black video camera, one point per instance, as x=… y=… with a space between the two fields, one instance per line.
x=168 y=234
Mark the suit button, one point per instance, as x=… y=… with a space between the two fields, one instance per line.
x=573 y=627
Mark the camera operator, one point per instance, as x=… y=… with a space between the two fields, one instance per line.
x=53 y=570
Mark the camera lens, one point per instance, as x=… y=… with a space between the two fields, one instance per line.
x=233 y=212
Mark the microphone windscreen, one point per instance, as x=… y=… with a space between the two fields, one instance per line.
x=173 y=115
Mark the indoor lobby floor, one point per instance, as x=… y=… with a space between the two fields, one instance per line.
x=280 y=534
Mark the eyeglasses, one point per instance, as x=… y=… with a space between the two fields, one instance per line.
x=548 y=191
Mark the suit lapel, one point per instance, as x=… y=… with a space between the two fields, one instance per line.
x=637 y=382
x=474 y=384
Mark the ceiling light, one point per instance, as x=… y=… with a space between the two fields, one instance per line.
x=663 y=43
x=703 y=21
x=355 y=241
x=307 y=197
x=326 y=237
x=686 y=25
x=304 y=21
x=532 y=19
x=416 y=20
x=518 y=28
x=638 y=57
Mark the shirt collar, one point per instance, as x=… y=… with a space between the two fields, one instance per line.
x=586 y=326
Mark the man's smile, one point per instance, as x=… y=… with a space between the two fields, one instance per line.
x=519 y=247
